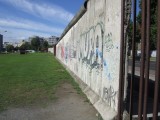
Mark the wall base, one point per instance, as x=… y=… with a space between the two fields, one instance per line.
x=101 y=106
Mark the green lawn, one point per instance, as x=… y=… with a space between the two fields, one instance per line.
x=30 y=79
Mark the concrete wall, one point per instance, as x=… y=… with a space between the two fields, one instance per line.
x=51 y=50
x=91 y=50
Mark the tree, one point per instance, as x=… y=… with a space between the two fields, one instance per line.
x=35 y=42
x=45 y=45
x=25 y=46
x=9 y=48
x=130 y=34
x=153 y=35
x=16 y=48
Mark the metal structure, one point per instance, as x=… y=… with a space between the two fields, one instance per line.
x=144 y=108
x=1 y=43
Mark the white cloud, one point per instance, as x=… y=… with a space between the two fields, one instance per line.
x=16 y=35
x=18 y=28
x=42 y=10
x=28 y=25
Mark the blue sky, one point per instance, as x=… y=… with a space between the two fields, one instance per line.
x=24 y=18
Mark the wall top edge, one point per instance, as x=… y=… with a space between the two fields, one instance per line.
x=78 y=15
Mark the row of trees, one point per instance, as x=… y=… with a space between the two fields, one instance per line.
x=153 y=26
x=35 y=44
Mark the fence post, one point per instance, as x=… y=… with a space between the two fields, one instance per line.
x=54 y=50
x=157 y=79
x=121 y=71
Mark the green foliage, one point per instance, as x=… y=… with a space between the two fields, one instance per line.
x=130 y=34
x=45 y=44
x=16 y=48
x=9 y=48
x=153 y=35
x=25 y=46
x=99 y=117
x=35 y=42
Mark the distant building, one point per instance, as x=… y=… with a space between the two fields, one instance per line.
x=1 y=42
x=30 y=39
x=41 y=39
x=53 y=40
x=7 y=43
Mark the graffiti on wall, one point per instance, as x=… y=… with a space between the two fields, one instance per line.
x=90 y=51
x=72 y=52
x=109 y=95
x=66 y=52
x=91 y=45
x=106 y=70
x=108 y=43
x=62 y=52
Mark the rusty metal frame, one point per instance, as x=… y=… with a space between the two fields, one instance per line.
x=133 y=59
x=142 y=67
x=147 y=62
x=157 y=79
x=121 y=73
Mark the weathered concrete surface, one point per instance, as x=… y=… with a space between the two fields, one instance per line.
x=91 y=50
x=103 y=108
x=68 y=106
x=51 y=50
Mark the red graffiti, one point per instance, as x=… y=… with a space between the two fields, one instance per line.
x=62 y=52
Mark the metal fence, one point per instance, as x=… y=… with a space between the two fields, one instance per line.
x=146 y=107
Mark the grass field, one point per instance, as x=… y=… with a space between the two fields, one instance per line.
x=30 y=79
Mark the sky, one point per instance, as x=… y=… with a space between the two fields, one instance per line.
x=25 y=18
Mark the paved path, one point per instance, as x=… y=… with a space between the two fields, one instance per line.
x=68 y=106
x=137 y=64
x=137 y=72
